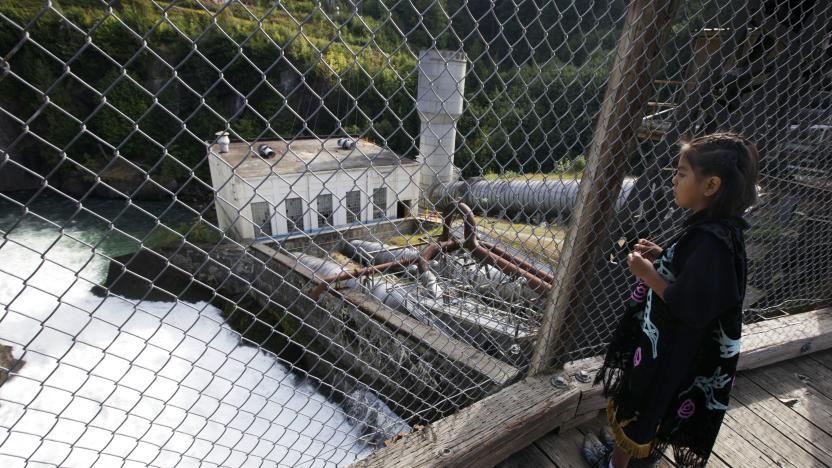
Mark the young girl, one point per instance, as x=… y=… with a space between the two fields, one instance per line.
x=670 y=365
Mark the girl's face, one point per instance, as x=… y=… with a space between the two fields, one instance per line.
x=690 y=190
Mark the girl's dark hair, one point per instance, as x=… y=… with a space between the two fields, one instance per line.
x=733 y=159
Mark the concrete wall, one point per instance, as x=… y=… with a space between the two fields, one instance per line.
x=327 y=241
x=226 y=201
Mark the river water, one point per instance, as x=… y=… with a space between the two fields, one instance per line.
x=109 y=381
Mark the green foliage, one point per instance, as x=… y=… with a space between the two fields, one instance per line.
x=578 y=164
x=195 y=232
x=258 y=76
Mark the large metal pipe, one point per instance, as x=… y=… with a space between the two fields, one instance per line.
x=543 y=198
x=326 y=269
x=398 y=265
x=538 y=280
x=488 y=281
x=390 y=293
x=537 y=284
x=373 y=253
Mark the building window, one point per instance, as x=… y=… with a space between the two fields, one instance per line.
x=379 y=203
x=325 y=210
x=353 y=206
x=294 y=214
x=262 y=217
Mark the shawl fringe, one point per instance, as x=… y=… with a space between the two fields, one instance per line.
x=634 y=449
x=612 y=378
x=684 y=456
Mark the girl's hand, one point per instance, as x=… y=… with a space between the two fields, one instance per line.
x=649 y=250
x=641 y=267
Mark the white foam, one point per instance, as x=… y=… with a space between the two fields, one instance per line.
x=152 y=383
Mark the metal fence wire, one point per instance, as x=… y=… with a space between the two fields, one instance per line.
x=257 y=233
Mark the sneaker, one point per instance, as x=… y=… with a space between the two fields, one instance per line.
x=607 y=437
x=594 y=452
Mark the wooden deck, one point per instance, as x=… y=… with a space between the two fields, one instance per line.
x=780 y=415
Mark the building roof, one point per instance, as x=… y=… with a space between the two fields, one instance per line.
x=306 y=155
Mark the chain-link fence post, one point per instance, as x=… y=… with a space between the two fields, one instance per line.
x=628 y=89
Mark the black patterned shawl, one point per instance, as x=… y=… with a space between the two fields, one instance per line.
x=670 y=366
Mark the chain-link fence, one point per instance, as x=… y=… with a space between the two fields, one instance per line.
x=257 y=233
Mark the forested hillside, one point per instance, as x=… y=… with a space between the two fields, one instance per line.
x=150 y=81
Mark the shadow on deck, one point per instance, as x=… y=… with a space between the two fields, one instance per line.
x=780 y=415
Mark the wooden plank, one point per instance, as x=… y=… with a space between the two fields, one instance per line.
x=628 y=89
x=791 y=391
x=812 y=373
x=564 y=446
x=535 y=408
x=765 y=438
x=713 y=461
x=823 y=357
x=486 y=432
x=530 y=456
x=564 y=449
x=577 y=420
x=787 y=422
x=731 y=448
x=771 y=341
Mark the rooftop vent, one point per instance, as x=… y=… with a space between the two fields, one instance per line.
x=223 y=141
x=265 y=151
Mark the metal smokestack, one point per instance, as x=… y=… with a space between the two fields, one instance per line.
x=439 y=102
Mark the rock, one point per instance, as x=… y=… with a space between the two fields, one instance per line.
x=8 y=363
x=373 y=417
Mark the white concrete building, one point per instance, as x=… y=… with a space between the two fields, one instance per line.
x=308 y=184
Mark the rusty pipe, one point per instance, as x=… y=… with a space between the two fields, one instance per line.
x=443 y=246
x=447 y=219
x=538 y=285
x=384 y=267
x=509 y=264
x=496 y=249
x=470 y=229
x=421 y=260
